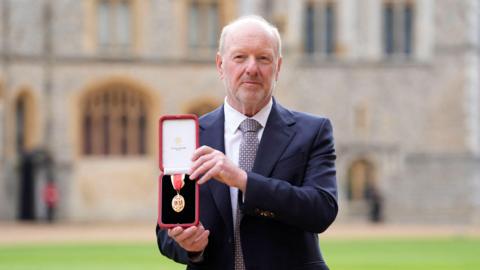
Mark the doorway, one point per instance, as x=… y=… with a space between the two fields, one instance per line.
x=364 y=197
x=26 y=162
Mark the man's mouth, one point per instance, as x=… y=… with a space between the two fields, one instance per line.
x=251 y=82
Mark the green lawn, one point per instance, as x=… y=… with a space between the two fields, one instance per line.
x=386 y=254
x=411 y=254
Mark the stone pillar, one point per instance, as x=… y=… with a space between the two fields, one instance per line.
x=472 y=79
x=2 y=130
x=373 y=39
x=249 y=7
x=424 y=29
x=347 y=28
x=475 y=215
x=3 y=203
x=294 y=29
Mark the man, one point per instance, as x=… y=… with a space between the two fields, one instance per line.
x=259 y=209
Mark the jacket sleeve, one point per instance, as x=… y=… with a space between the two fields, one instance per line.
x=312 y=204
x=169 y=248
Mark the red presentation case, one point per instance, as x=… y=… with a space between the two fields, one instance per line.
x=178 y=138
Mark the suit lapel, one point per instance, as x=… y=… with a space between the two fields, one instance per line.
x=278 y=133
x=212 y=134
x=276 y=136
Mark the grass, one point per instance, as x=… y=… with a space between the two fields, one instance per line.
x=371 y=254
x=396 y=254
x=119 y=256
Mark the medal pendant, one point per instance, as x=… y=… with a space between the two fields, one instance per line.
x=178 y=203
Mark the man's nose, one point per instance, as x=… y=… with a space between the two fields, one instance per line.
x=252 y=66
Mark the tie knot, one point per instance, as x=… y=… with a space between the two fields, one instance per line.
x=250 y=125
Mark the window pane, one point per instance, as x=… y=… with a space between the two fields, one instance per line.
x=122 y=24
x=194 y=24
x=329 y=29
x=408 y=29
x=142 y=126
x=106 y=134
x=388 y=29
x=212 y=25
x=103 y=18
x=124 y=136
x=309 y=29
x=87 y=135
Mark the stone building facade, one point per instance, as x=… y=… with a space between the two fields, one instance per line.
x=84 y=82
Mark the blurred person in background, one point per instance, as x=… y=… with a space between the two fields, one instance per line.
x=50 y=197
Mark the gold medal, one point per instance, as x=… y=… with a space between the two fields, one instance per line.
x=178 y=203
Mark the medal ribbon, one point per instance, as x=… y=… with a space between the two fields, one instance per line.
x=177 y=181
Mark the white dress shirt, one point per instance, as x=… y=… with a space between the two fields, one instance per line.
x=233 y=138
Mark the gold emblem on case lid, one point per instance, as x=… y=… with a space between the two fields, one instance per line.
x=178 y=140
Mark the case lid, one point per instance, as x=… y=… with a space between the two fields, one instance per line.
x=178 y=142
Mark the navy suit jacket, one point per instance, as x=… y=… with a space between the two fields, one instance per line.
x=291 y=196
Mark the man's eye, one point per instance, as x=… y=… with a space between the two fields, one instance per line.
x=264 y=59
x=239 y=57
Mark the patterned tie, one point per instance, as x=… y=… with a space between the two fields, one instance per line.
x=248 y=151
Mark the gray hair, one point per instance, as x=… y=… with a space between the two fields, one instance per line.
x=251 y=18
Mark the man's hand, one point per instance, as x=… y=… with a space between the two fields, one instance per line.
x=192 y=239
x=211 y=163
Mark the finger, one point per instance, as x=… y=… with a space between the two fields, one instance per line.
x=205 y=157
x=201 y=151
x=200 y=230
x=202 y=237
x=199 y=163
x=190 y=241
x=187 y=233
x=209 y=174
x=201 y=242
x=174 y=232
x=205 y=167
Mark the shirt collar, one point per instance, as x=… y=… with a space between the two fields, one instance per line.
x=234 y=118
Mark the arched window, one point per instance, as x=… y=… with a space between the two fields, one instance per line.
x=114 y=122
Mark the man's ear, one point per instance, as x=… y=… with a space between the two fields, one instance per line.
x=219 y=64
x=279 y=66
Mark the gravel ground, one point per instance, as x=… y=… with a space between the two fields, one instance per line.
x=18 y=233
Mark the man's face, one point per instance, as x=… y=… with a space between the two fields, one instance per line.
x=249 y=66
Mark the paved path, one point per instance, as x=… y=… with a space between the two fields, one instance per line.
x=16 y=233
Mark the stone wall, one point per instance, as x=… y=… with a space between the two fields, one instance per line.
x=421 y=115
x=26 y=19
x=435 y=189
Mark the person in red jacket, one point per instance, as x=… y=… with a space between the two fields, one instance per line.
x=50 y=197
